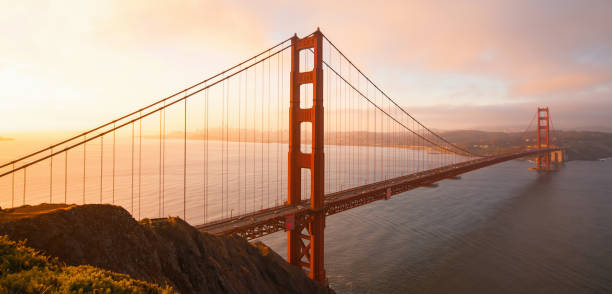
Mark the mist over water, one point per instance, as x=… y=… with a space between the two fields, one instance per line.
x=501 y=229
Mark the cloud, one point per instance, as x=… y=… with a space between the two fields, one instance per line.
x=477 y=64
x=537 y=48
x=559 y=83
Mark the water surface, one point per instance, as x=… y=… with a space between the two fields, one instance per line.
x=502 y=229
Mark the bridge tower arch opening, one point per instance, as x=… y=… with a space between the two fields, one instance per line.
x=305 y=238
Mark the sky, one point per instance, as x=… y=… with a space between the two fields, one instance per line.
x=66 y=66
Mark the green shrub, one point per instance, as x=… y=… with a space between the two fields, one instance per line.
x=25 y=270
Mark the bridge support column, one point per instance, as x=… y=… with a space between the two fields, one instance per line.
x=309 y=229
x=543 y=139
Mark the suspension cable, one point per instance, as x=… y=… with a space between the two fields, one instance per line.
x=387 y=96
x=383 y=111
x=142 y=116
x=146 y=107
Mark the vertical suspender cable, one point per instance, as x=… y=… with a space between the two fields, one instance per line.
x=227 y=138
x=412 y=153
x=246 y=135
x=337 y=131
x=227 y=147
x=390 y=130
x=13 y=187
x=350 y=132
x=223 y=148
x=394 y=146
x=261 y=133
x=185 y=164
x=358 y=138
x=419 y=161
x=206 y=165
x=239 y=137
x=278 y=142
x=139 y=162
x=395 y=150
x=383 y=141
x=51 y=177
x=367 y=144
x=282 y=135
x=254 y=127
x=101 y=164
x=268 y=114
x=163 y=190
x=420 y=148
x=132 y=171
x=25 y=170
x=423 y=149
x=204 y=159
x=345 y=138
x=375 y=142
x=342 y=127
x=357 y=132
x=386 y=144
x=84 y=158
x=160 y=165
x=114 y=140
x=65 y=176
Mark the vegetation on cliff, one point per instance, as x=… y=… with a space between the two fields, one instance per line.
x=25 y=270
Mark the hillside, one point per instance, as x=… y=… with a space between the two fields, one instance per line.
x=164 y=252
x=579 y=145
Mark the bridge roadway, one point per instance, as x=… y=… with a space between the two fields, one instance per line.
x=271 y=220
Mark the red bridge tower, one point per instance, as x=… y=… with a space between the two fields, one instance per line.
x=543 y=137
x=305 y=237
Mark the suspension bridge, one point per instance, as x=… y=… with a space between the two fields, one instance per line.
x=275 y=143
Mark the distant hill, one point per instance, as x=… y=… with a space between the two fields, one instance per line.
x=579 y=145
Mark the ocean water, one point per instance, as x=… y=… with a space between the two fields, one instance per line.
x=501 y=229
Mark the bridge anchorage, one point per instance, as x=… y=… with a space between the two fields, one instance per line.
x=275 y=143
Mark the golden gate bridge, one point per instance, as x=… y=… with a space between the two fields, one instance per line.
x=275 y=143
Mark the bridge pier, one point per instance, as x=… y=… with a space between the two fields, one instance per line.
x=305 y=242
